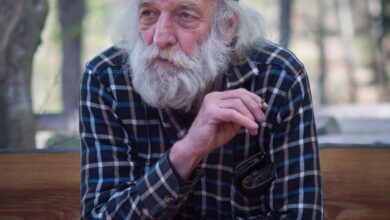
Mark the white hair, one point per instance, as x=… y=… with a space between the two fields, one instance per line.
x=250 y=34
x=184 y=85
x=124 y=32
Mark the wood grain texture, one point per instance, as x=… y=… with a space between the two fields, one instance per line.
x=46 y=185
x=50 y=204
x=356 y=183
x=39 y=186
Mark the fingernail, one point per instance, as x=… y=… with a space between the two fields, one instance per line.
x=254 y=132
x=263 y=104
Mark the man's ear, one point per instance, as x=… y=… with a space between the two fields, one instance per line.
x=231 y=29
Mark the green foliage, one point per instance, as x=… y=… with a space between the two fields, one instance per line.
x=76 y=30
x=47 y=66
x=46 y=86
x=63 y=140
x=99 y=16
x=53 y=25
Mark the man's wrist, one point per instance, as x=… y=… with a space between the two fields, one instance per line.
x=184 y=159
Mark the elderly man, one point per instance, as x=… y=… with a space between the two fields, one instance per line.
x=170 y=114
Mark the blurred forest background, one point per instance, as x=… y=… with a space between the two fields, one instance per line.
x=44 y=44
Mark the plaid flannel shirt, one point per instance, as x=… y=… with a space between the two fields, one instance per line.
x=125 y=170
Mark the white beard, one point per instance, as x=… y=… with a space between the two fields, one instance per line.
x=184 y=85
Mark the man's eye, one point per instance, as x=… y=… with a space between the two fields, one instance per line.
x=186 y=15
x=146 y=13
x=188 y=19
x=148 y=16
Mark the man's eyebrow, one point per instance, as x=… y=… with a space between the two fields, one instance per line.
x=189 y=5
x=144 y=3
x=181 y=4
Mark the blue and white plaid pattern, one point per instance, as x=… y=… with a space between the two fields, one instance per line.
x=125 y=171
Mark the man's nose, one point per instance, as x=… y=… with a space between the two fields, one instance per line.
x=164 y=35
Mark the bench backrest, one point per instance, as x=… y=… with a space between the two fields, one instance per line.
x=46 y=185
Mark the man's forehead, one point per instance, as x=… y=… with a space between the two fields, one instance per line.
x=198 y=5
x=172 y=1
x=177 y=1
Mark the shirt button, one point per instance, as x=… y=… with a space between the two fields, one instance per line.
x=168 y=199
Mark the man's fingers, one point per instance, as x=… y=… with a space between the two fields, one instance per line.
x=255 y=108
x=232 y=115
x=253 y=103
x=237 y=105
x=263 y=105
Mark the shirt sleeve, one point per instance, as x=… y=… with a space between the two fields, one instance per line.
x=113 y=185
x=296 y=193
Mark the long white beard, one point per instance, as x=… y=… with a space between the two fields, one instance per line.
x=184 y=85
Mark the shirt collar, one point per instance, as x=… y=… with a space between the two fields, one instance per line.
x=237 y=74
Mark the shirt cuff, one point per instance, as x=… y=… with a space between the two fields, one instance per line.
x=162 y=187
x=194 y=176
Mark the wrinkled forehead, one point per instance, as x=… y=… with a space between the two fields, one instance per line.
x=181 y=1
x=175 y=2
x=204 y=8
x=189 y=0
x=195 y=3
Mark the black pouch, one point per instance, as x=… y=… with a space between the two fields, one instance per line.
x=254 y=175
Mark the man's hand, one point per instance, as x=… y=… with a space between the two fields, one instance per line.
x=220 y=117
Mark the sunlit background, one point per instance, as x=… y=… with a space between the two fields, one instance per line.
x=345 y=49
x=344 y=45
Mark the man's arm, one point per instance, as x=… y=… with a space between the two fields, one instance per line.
x=113 y=185
x=296 y=192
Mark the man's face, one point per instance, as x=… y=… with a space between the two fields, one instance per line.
x=176 y=56
x=167 y=23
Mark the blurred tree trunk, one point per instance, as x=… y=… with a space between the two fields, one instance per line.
x=386 y=16
x=285 y=12
x=71 y=13
x=374 y=9
x=386 y=43
x=21 y=23
x=320 y=38
x=348 y=35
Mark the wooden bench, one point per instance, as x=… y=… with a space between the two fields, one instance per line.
x=45 y=185
x=40 y=185
x=356 y=182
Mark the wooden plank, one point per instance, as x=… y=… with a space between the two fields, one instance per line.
x=46 y=185
x=39 y=170
x=40 y=186
x=59 y=203
x=356 y=183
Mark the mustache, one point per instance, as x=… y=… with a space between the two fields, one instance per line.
x=174 y=55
